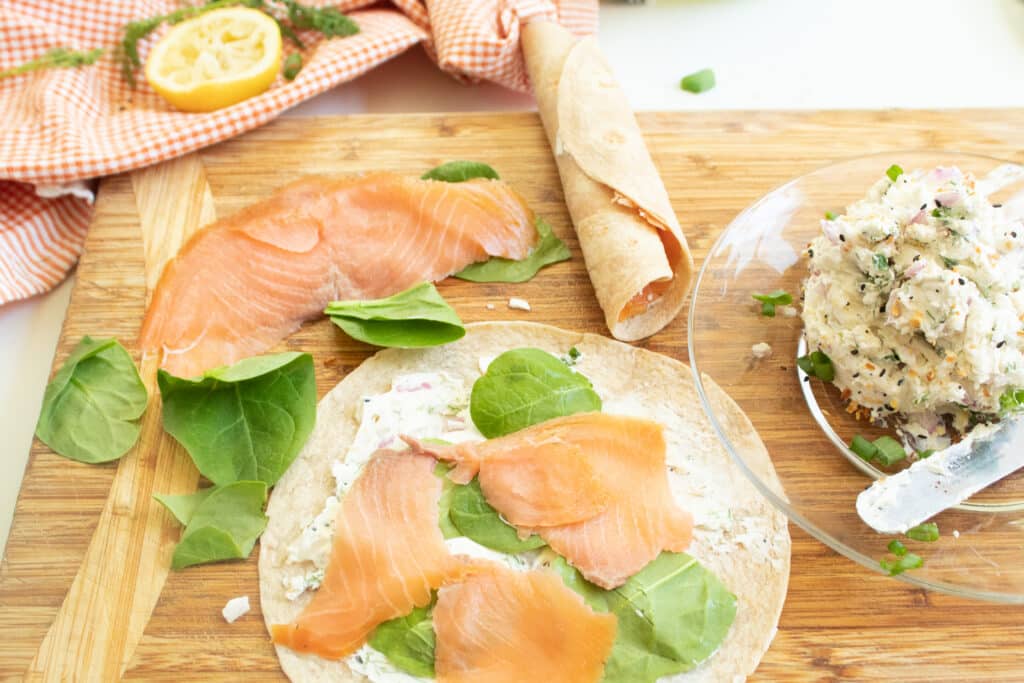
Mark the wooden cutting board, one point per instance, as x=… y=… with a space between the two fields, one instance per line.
x=840 y=621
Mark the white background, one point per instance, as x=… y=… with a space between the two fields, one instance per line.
x=767 y=54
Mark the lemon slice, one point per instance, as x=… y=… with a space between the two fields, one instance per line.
x=216 y=59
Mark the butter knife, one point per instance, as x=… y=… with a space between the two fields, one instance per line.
x=896 y=503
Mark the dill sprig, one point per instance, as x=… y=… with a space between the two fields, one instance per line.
x=56 y=58
x=327 y=20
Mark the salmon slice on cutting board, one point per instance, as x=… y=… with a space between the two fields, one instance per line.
x=604 y=502
x=243 y=283
x=498 y=625
x=387 y=556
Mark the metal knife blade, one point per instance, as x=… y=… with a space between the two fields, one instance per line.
x=990 y=452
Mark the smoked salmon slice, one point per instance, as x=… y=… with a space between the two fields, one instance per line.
x=387 y=557
x=604 y=503
x=504 y=626
x=245 y=282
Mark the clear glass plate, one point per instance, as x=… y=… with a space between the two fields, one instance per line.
x=980 y=553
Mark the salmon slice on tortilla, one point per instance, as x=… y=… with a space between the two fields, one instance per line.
x=593 y=485
x=387 y=557
x=245 y=282
x=500 y=625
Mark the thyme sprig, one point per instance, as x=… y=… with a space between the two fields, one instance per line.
x=56 y=58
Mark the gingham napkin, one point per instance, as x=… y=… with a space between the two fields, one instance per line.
x=64 y=125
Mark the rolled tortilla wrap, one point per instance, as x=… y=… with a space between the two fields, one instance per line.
x=637 y=257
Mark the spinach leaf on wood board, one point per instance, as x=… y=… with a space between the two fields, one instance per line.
x=526 y=386
x=223 y=522
x=247 y=421
x=477 y=520
x=92 y=406
x=408 y=642
x=549 y=250
x=672 y=615
x=415 y=318
x=460 y=171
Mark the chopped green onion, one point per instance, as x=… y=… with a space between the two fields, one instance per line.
x=1011 y=401
x=890 y=451
x=894 y=172
x=927 y=532
x=698 y=81
x=881 y=261
x=950 y=262
x=769 y=301
x=928 y=452
x=292 y=66
x=829 y=216
x=863 y=448
x=902 y=564
x=779 y=296
x=897 y=548
x=884 y=450
x=574 y=353
x=818 y=364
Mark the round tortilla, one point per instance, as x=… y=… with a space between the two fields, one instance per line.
x=738 y=535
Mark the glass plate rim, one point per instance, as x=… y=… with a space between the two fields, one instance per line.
x=790 y=512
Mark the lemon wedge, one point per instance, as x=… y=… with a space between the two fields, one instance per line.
x=216 y=59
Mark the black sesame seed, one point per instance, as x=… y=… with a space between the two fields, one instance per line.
x=856 y=375
x=917 y=257
x=997 y=206
x=882 y=309
x=1014 y=234
x=810 y=252
x=922 y=436
x=854 y=352
x=900 y=383
x=1001 y=344
x=842 y=238
x=862 y=286
x=882 y=373
x=924 y=206
x=806 y=378
x=962 y=281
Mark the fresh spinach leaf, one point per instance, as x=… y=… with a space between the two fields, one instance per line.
x=459 y=171
x=184 y=506
x=444 y=503
x=408 y=642
x=525 y=386
x=92 y=406
x=223 y=522
x=549 y=250
x=243 y=422
x=417 y=317
x=672 y=615
x=477 y=520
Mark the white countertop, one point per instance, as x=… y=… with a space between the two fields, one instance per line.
x=767 y=54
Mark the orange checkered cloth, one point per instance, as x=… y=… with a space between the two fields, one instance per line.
x=63 y=125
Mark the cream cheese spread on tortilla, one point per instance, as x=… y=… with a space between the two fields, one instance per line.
x=915 y=295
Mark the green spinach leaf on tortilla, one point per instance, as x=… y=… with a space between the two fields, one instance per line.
x=673 y=614
x=247 y=421
x=408 y=642
x=91 y=408
x=477 y=520
x=523 y=387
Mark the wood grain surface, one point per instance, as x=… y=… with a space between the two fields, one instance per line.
x=82 y=568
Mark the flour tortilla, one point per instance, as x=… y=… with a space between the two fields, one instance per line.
x=628 y=232
x=749 y=552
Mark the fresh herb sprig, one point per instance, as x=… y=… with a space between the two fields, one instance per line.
x=769 y=301
x=56 y=58
x=926 y=533
x=328 y=21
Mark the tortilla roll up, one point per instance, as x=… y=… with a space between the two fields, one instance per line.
x=633 y=246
